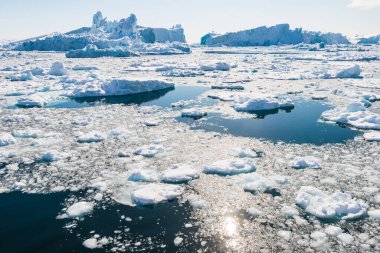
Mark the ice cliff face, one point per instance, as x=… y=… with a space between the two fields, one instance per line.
x=274 y=35
x=105 y=34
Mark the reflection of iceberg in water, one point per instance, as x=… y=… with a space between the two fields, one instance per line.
x=127 y=99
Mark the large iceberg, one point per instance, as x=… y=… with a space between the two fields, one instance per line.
x=370 y=40
x=274 y=35
x=108 y=38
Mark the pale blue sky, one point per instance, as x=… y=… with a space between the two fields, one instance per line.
x=28 y=18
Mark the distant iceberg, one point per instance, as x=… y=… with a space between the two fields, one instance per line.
x=121 y=38
x=275 y=35
x=370 y=40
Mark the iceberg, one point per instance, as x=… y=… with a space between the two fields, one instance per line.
x=352 y=72
x=370 y=40
x=275 y=35
x=121 y=38
x=305 y=162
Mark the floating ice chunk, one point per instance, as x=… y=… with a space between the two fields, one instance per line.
x=91 y=243
x=305 y=162
x=231 y=167
x=27 y=133
x=253 y=212
x=372 y=136
x=33 y=100
x=121 y=88
x=100 y=185
x=141 y=175
x=286 y=235
x=6 y=139
x=352 y=72
x=179 y=173
x=255 y=183
x=336 y=206
x=354 y=114
x=194 y=113
x=155 y=193
x=246 y=103
x=221 y=66
x=177 y=241
x=26 y=76
x=345 y=238
x=58 y=69
x=333 y=231
x=244 y=153
x=93 y=136
x=289 y=211
x=37 y=72
x=149 y=150
x=53 y=155
x=79 y=209
x=375 y=214
x=196 y=202
x=319 y=239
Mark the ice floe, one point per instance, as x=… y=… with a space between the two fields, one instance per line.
x=6 y=139
x=78 y=210
x=33 y=100
x=149 y=150
x=179 y=173
x=230 y=167
x=155 y=193
x=58 y=69
x=372 y=136
x=305 y=162
x=336 y=206
x=250 y=104
x=355 y=114
x=352 y=72
x=92 y=136
x=193 y=113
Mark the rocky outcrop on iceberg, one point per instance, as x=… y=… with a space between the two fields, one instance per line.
x=107 y=38
x=274 y=35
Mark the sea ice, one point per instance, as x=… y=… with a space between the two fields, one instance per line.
x=155 y=193
x=374 y=214
x=91 y=243
x=27 y=133
x=58 y=69
x=221 y=66
x=33 y=100
x=352 y=72
x=355 y=114
x=143 y=175
x=180 y=173
x=79 y=209
x=250 y=104
x=120 y=88
x=177 y=241
x=6 y=139
x=336 y=206
x=193 y=113
x=305 y=162
x=230 y=167
x=89 y=137
x=149 y=150
x=333 y=230
x=289 y=211
x=53 y=155
x=372 y=136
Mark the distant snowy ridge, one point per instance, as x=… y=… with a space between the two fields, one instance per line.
x=104 y=37
x=275 y=35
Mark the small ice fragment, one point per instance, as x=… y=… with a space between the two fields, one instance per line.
x=179 y=173
x=6 y=139
x=305 y=162
x=333 y=230
x=155 y=193
x=58 y=69
x=91 y=243
x=230 y=167
x=177 y=241
x=79 y=209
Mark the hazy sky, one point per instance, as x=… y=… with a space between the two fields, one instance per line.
x=28 y=18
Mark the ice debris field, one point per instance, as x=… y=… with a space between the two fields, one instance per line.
x=123 y=138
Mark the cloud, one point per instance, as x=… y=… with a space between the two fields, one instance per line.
x=364 y=4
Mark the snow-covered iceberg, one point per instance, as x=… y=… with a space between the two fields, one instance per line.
x=370 y=40
x=274 y=35
x=110 y=38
